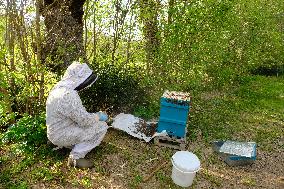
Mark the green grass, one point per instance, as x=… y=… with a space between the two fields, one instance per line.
x=253 y=110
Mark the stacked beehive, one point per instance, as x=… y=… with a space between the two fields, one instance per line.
x=174 y=114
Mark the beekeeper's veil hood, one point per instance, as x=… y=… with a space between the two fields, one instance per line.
x=77 y=77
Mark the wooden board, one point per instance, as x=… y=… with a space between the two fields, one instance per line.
x=171 y=142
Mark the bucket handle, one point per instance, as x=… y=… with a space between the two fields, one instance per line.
x=173 y=162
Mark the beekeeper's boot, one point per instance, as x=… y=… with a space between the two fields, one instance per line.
x=80 y=163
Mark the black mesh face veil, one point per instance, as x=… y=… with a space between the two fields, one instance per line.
x=90 y=80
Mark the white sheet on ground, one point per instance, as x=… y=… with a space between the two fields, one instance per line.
x=130 y=123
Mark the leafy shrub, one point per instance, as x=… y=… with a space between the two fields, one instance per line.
x=116 y=88
x=5 y=120
x=268 y=70
x=29 y=130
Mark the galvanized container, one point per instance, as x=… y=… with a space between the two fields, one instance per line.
x=236 y=153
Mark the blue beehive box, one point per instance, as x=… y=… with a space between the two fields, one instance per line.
x=174 y=112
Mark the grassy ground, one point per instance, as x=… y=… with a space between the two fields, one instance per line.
x=251 y=111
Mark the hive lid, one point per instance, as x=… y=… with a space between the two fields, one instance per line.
x=186 y=161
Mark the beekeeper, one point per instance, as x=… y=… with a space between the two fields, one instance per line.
x=68 y=122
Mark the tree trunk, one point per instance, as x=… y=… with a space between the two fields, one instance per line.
x=118 y=25
x=10 y=39
x=129 y=40
x=171 y=10
x=95 y=34
x=38 y=57
x=64 y=38
x=149 y=17
x=115 y=27
x=86 y=26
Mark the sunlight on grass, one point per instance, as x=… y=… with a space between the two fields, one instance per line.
x=252 y=111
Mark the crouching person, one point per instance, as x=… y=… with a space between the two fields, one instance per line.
x=68 y=122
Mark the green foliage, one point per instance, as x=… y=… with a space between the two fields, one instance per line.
x=6 y=119
x=29 y=131
x=224 y=39
x=205 y=44
x=268 y=70
x=208 y=48
x=148 y=111
x=116 y=88
x=250 y=111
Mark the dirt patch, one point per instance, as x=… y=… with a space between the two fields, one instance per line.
x=266 y=172
x=122 y=161
x=212 y=95
x=142 y=158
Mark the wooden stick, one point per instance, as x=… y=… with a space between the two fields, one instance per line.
x=156 y=168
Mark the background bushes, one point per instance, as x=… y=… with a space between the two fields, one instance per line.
x=29 y=131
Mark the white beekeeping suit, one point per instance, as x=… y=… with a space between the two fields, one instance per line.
x=68 y=122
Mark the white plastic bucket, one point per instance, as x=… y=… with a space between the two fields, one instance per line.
x=185 y=166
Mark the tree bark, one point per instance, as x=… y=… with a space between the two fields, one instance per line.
x=10 y=39
x=39 y=55
x=129 y=40
x=95 y=33
x=64 y=38
x=149 y=17
x=171 y=10
x=118 y=25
